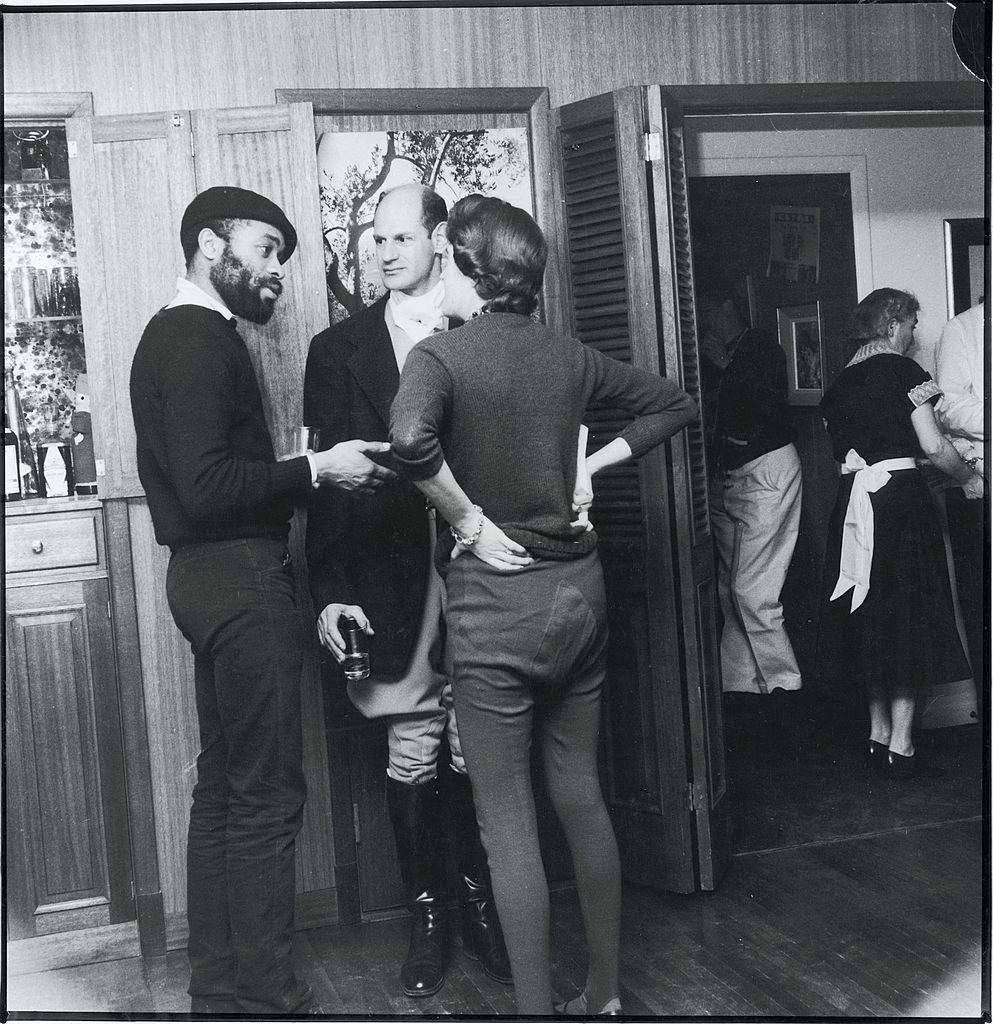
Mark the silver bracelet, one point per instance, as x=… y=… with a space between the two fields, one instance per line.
x=467 y=542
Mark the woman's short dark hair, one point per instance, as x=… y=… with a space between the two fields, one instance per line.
x=873 y=315
x=501 y=248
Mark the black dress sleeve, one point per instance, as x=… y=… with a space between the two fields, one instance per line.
x=917 y=384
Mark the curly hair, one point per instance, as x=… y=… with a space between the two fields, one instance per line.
x=222 y=227
x=872 y=316
x=501 y=249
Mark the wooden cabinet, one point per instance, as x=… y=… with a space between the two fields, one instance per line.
x=68 y=851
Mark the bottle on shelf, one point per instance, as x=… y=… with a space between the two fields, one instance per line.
x=83 y=455
x=11 y=462
x=22 y=309
x=54 y=458
x=43 y=293
x=27 y=467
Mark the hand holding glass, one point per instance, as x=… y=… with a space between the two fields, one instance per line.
x=297 y=441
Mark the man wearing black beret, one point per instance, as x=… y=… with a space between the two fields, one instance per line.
x=222 y=504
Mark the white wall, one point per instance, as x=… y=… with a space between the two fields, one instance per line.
x=915 y=177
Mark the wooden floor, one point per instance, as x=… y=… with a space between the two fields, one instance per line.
x=887 y=925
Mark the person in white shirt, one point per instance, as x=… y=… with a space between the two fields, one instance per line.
x=373 y=560
x=959 y=363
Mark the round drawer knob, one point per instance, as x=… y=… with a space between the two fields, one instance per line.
x=38 y=546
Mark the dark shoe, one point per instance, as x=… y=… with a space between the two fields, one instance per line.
x=913 y=767
x=213 y=1004
x=482 y=936
x=876 y=757
x=297 y=1000
x=577 y=1007
x=782 y=728
x=423 y=972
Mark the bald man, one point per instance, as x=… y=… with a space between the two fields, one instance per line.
x=373 y=560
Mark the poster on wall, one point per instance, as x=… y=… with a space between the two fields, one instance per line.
x=355 y=168
x=794 y=243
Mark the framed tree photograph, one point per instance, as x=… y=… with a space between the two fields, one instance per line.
x=801 y=337
x=456 y=141
x=356 y=168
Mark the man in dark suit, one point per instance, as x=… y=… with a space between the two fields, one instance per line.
x=377 y=557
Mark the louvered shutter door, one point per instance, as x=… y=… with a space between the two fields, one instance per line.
x=608 y=254
x=694 y=555
x=599 y=286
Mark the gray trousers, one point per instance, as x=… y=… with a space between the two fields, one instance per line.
x=755 y=513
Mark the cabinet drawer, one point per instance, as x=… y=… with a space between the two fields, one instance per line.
x=35 y=544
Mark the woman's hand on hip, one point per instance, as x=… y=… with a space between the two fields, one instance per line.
x=975 y=486
x=495 y=548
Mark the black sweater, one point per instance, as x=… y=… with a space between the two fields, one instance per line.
x=205 y=456
x=751 y=401
x=501 y=399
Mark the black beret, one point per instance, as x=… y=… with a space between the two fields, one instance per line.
x=228 y=201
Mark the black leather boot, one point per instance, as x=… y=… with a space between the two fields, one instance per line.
x=415 y=814
x=482 y=936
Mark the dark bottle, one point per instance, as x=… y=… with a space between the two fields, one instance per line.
x=15 y=418
x=356 y=663
x=11 y=462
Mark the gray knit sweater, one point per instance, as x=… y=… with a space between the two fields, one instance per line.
x=502 y=399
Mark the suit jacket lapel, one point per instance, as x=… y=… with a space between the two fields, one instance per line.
x=374 y=365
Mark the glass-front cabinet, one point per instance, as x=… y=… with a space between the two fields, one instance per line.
x=68 y=851
x=44 y=352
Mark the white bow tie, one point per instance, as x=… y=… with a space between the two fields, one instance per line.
x=418 y=315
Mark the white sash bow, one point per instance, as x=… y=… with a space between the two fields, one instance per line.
x=859 y=530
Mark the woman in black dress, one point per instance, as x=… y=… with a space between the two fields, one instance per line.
x=887 y=622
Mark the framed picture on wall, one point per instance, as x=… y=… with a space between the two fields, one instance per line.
x=356 y=168
x=801 y=337
x=455 y=141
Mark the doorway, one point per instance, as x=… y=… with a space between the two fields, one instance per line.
x=807 y=784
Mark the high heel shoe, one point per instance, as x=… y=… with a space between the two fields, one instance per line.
x=877 y=756
x=576 y=1007
x=899 y=766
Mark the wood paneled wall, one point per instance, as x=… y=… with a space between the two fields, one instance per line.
x=135 y=61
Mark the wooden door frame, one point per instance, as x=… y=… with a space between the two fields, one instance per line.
x=830 y=97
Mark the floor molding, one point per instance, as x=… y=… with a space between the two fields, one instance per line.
x=73 y=949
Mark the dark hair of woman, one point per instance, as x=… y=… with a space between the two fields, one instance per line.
x=501 y=248
x=872 y=316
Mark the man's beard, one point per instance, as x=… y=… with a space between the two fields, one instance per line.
x=241 y=290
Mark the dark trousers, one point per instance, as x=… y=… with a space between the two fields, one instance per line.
x=967 y=534
x=234 y=601
x=527 y=654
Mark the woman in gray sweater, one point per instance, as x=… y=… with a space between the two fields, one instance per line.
x=486 y=423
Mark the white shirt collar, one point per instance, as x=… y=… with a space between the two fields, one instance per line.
x=190 y=294
x=418 y=315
